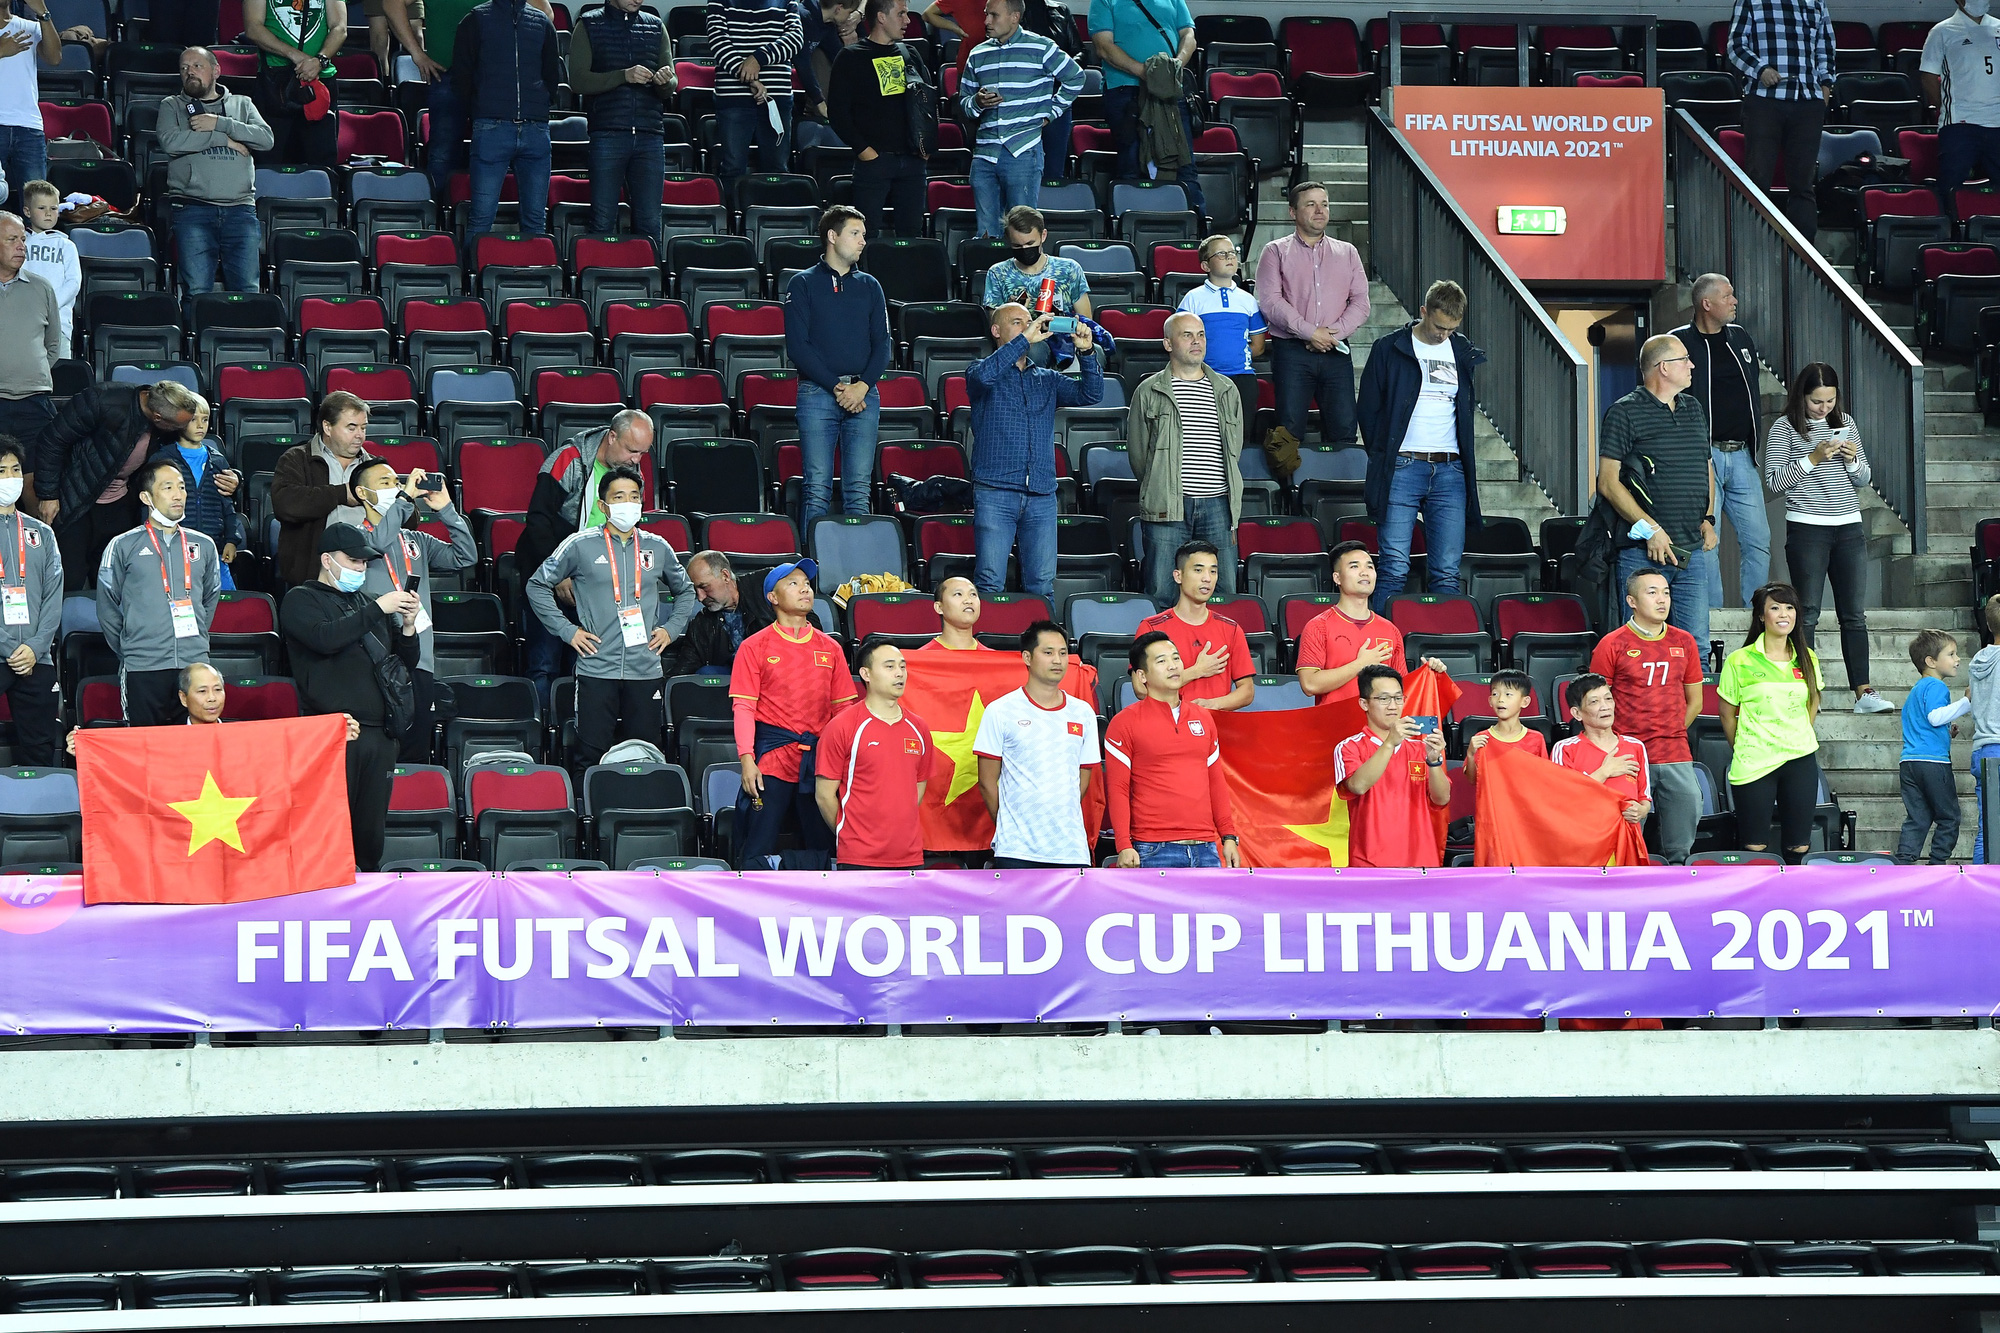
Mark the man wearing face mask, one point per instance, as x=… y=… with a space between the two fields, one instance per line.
x=1959 y=73
x=615 y=572
x=327 y=624
x=1019 y=281
x=156 y=592
x=31 y=592
x=410 y=555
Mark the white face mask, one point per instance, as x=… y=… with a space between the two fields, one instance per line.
x=1976 y=9
x=161 y=520
x=383 y=499
x=624 y=517
x=10 y=490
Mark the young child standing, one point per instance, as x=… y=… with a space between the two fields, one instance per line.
x=1510 y=693
x=1930 y=791
x=51 y=254
x=211 y=486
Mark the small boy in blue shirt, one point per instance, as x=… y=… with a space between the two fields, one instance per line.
x=1930 y=790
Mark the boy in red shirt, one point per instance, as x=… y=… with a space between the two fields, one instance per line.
x=1509 y=692
x=788 y=681
x=1344 y=640
x=874 y=759
x=1217 y=670
x=958 y=607
x=1655 y=674
x=1600 y=753
x=1165 y=793
x=1390 y=774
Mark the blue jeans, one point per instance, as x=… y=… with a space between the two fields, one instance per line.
x=636 y=161
x=1979 y=756
x=1438 y=491
x=823 y=427
x=1001 y=519
x=1055 y=145
x=1301 y=377
x=1688 y=586
x=1116 y=102
x=499 y=146
x=447 y=134
x=212 y=233
x=1177 y=855
x=740 y=123
x=24 y=156
x=1007 y=183
x=1740 y=494
x=1205 y=518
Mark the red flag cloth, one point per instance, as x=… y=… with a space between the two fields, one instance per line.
x=950 y=691
x=1535 y=813
x=214 y=814
x=1428 y=693
x=1280 y=771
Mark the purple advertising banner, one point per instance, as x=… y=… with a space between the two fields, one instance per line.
x=645 y=949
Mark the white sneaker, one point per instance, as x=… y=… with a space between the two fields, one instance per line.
x=1871 y=701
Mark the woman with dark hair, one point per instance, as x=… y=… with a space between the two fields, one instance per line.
x=1770 y=690
x=1814 y=459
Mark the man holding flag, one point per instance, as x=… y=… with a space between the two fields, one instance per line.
x=1600 y=753
x=1031 y=745
x=1169 y=802
x=1392 y=776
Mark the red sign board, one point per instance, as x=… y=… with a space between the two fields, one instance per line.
x=1568 y=183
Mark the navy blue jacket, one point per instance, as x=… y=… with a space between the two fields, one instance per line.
x=836 y=324
x=1388 y=395
x=504 y=65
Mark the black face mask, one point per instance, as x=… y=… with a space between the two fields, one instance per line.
x=1026 y=255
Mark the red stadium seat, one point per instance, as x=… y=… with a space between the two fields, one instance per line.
x=514 y=252
x=905 y=614
x=1939 y=259
x=897 y=389
x=260 y=699
x=1251 y=83
x=645 y=317
x=371 y=134
x=99 y=700
x=1218 y=139
x=548 y=315
x=750 y=534
x=1011 y=613
x=680 y=388
x=499 y=475
x=757 y=319
x=671 y=529
x=771 y=390
x=1167 y=259
x=459 y=314
x=615 y=252
x=245 y=613
x=78 y=120
x=944 y=534
x=1469 y=35
x=1249 y=613
x=521 y=812
x=415 y=247
x=578 y=384
x=687 y=191
x=1141 y=323
x=953 y=395
x=1475 y=699
x=342 y=312
x=920 y=459
x=374 y=384
x=1610 y=81
x=1921 y=148
x=1296 y=612
x=949 y=194
x=1278 y=535
x=262 y=380
x=503 y=534
x=1894 y=37
x=1090 y=138
x=408 y=453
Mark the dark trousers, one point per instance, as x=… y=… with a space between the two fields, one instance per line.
x=616 y=710
x=371 y=764
x=296 y=141
x=24 y=419
x=35 y=700
x=83 y=540
x=1303 y=377
x=1814 y=554
x=415 y=748
x=1930 y=802
x=1787 y=131
x=1119 y=112
x=1790 y=790
x=757 y=835
x=898 y=179
x=152 y=698
x=1965 y=152
x=1246 y=389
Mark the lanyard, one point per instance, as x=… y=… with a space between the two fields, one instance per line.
x=402 y=544
x=187 y=565
x=611 y=558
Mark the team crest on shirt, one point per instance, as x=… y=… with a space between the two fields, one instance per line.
x=911 y=745
x=1075 y=728
x=1631 y=652
x=1676 y=652
x=772 y=660
x=823 y=659
x=1417 y=770
x=645 y=558
x=34 y=538
x=1194 y=728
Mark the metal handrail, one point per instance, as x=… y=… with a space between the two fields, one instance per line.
x=1535 y=388
x=1522 y=21
x=1798 y=310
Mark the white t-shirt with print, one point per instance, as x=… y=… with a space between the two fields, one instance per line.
x=1434 y=422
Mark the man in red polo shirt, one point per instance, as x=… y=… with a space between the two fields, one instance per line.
x=1655 y=674
x=788 y=681
x=1344 y=640
x=1390 y=774
x=1217 y=670
x=1599 y=752
x=874 y=758
x=1164 y=789
x=958 y=606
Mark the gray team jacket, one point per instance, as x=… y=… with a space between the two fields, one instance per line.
x=420 y=553
x=45 y=584
x=132 y=607
x=581 y=560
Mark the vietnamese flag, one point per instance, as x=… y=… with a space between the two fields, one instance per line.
x=1280 y=771
x=214 y=814
x=1535 y=813
x=950 y=692
x=1428 y=693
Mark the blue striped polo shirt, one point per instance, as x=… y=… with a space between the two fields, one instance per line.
x=1230 y=317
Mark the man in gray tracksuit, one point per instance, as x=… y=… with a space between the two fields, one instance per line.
x=156 y=592
x=31 y=593
x=615 y=571
x=410 y=553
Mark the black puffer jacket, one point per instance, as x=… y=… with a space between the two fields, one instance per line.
x=80 y=451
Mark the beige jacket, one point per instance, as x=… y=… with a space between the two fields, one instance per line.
x=1153 y=441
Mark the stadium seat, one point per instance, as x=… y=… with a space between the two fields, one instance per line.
x=547 y=333
x=521 y=812
x=1447 y=628
x=753 y=542
x=945 y=547
x=715 y=476
x=1957 y=282
x=497 y=473
x=243 y=636
x=845 y=545
x=343 y=330
x=1281 y=555
x=41 y=816
x=616 y=268
x=260 y=698
x=475 y=400
x=1322 y=64
x=384 y=198
x=639 y=810
x=422 y=824
x=647 y=335
x=471 y=636
x=1896 y=220
x=441 y=331
x=1499 y=558
x=906 y=619
x=1543 y=634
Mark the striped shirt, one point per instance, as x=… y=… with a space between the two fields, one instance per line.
x=1201 y=438
x=1827 y=494
x=1676 y=439
x=1036 y=81
x=1794 y=37
x=769 y=30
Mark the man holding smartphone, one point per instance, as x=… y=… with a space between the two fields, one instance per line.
x=1391 y=774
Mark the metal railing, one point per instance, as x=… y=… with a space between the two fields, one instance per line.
x=1535 y=387
x=1799 y=310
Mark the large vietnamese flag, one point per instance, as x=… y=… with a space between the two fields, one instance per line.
x=1535 y=813
x=214 y=814
x=950 y=692
x=1428 y=693
x=1280 y=771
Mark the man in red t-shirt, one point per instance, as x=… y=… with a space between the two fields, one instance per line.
x=788 y=681
x=1344 y=640
x=958 y=607
x=967 y=18
x=1390 y=774
x=874 y=759
x=1217 y=670
x=1655 y=674
x=1599 y=752
x=1164 y=790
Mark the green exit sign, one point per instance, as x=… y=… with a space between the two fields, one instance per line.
x=1516 y=220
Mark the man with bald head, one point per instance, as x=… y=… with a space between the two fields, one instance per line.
x=958 y=607
x=1184 y=433
x=1014 y=406
x=1654 y=470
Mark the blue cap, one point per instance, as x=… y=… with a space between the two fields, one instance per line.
x=772 y=579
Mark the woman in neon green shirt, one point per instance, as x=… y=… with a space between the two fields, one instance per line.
x=1770 y=700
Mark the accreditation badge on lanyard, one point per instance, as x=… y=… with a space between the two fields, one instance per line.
x=182 y=607
x=631 y=619
x=13 y=600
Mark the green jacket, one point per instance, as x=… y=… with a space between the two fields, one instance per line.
x=1153 y=443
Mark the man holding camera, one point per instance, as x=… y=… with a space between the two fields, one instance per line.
x=1391 y=773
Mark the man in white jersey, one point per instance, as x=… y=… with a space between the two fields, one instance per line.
x=1960 y=75
x=1032 y=744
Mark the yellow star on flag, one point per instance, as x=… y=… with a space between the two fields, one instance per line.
x=1331 y=835
x=957 y=745
x=212 y=816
